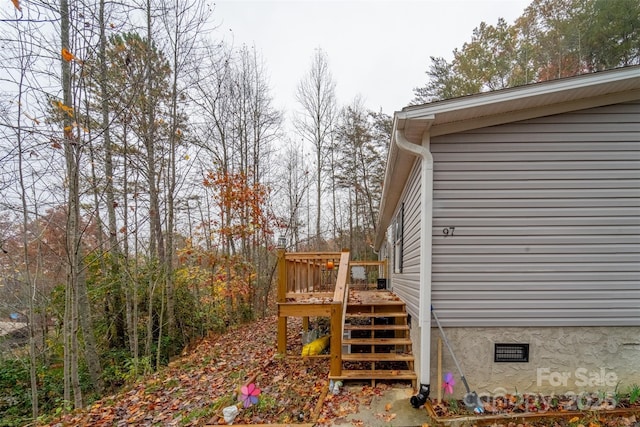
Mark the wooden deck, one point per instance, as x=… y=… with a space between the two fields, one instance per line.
x=330 y=285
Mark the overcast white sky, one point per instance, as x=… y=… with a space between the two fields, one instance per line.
x=378 y=49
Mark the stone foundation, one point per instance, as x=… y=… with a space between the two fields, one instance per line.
x=561 y=359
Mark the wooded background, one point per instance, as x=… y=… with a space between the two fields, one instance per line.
x=146 y=175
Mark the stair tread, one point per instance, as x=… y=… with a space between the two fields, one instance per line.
x=374 y=304
x=378 y=357
x=377 y=374
x=377 y=341
x=349 y=327
x=391 y=314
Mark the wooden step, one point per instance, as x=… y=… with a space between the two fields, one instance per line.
x=350 y=327
x=376 y=374
x=382 y=303
x=375 y=308
x=377 y=357
x=377 y=341
x=369 y=306
x=367 y=315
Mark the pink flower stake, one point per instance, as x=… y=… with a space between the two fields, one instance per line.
x=448 y=384
x=249 y=395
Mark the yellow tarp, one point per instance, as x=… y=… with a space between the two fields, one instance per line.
x=316 y=347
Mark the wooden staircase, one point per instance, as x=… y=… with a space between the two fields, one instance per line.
x=376 y=343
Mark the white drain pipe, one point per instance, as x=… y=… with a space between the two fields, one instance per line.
x=426 y=223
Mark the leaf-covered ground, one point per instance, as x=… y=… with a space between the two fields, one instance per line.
x=194 y=389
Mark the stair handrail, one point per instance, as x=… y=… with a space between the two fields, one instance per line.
x=340 y=295
x=341 y=280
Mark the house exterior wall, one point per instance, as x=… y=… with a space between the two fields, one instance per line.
x=537 y=223
x=407 y=283
x=536 y=239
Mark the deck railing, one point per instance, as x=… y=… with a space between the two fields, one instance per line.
x=366 y=274
x=304 y=273
x=314 y=284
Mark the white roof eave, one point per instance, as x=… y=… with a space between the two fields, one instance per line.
x=544 y=93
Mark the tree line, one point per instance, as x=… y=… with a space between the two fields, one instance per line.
x=550 y=40
x=146 y=179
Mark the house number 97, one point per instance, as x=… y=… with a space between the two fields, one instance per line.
x=448 y=231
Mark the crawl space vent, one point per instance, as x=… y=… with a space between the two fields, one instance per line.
x=511 y=353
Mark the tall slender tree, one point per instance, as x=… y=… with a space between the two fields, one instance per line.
x=315 y=122
x=181 y=20
x=361 y=146
x=26 y=59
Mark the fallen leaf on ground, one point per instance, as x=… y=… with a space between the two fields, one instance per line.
x=386 y=417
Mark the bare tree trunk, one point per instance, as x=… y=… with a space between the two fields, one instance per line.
x=114 y=294
x=75 y=354
x=136 y=273
x=72 y=241
x=66 y=337
x=149 y=340
x=318 y=198
x=33 y=361
x=161 y=316
x=131 y=280
x=114 y=246
x=76 y=281
x=333 y=191
x=157 y=237
x=91 y=351
x=184 y=17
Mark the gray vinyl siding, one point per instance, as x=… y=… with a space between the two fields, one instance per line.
x=547 y=222
x=407 y=284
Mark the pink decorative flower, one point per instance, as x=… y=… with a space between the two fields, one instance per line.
x=448 y=384
x=249 y=395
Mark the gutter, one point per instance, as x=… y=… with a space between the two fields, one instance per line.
x=426 y=223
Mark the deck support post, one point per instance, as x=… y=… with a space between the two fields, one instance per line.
x=282 y=276
x=282 y=297
x=282 y=335
x=336 y=340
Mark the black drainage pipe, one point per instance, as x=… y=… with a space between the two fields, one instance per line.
x=421 y=398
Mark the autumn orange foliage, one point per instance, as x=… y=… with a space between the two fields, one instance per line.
x=240 y=202
x=65 y=108
x=221 y=272
x=67 y=56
